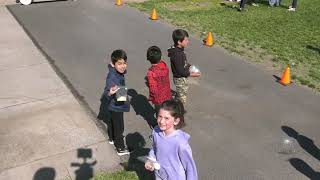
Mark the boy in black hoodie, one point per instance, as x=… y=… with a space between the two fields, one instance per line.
x=179 y=64
x=115 y=78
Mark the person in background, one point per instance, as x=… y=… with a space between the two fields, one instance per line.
x=293 y=5
x=244 y=2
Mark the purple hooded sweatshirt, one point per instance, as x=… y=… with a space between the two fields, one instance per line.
x=174 y=155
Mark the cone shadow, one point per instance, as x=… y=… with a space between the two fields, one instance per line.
x=277 y=78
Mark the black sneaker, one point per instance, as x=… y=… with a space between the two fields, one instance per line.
x=123 y=151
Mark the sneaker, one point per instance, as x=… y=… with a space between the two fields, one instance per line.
x=292 y=9
x=255 y=5
x=123 y=151
x=110 y=141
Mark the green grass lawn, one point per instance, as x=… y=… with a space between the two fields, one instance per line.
x=272 y=36
x=121 y=175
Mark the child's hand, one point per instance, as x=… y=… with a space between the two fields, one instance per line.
x=149 y=165
x=195 y=74
x=113 y=90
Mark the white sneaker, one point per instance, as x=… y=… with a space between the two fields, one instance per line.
x=292 y=9
x=123 y=151
x=111 y=141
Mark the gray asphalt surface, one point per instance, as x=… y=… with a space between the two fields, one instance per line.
x=237 y=114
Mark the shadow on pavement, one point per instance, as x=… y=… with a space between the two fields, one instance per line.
x=85 y=170
x=142 y=107
x=306 y=143
x=304 y=168
x=47 y=173
x=136 y=143
x=277 y=78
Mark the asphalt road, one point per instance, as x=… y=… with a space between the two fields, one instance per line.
x=237 y=114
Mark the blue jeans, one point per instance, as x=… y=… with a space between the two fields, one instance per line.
x=274 y=2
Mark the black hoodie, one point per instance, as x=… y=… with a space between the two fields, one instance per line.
x=179 y=64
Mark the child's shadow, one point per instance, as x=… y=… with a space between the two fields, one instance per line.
x=142 y=107
x=306 y=143
x=136 y=142
x=304 y=168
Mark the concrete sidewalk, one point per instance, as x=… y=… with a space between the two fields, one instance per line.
x=237 y=114
x=44 y=129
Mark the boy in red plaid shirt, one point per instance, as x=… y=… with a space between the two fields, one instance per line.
x=158 y=78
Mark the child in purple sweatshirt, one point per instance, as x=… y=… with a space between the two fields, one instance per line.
x=171 y=149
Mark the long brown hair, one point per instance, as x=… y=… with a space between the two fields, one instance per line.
x=176 y=109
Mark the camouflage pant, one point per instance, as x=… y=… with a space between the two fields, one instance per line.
x=181 y=88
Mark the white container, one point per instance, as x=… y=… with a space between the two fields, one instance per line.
x=194 y=69
x=121 y=94
x=155 y=164
x=287 y=146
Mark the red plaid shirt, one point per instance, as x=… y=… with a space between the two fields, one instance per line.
x=159 y=83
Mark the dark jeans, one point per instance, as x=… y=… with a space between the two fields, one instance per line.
x=243 y=2
x=294 y=3
x=116 y=128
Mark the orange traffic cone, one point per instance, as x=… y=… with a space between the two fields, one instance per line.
x=285 y=79
x=154 y=15
x=209 y=40
x=118 y=2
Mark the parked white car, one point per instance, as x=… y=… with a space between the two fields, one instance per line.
x=25 y=2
